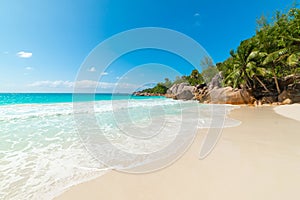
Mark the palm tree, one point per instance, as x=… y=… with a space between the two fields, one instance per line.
x=272 y=54
x=272 y=60
x=254 y=70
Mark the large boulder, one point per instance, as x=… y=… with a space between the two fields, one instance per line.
x=283 y=96
x=216 y=81
x=182 y=87
x=228 y=95
x=292 y=92
x=287 y=102
x=172 y=90
x=185 y=95
x=177 y=88
x=182 y=91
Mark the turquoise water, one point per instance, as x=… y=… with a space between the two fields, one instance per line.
x=41 y=147
x=40 y=98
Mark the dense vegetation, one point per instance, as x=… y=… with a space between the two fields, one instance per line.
x=160 y=88
x=195 y=78
x=261 y=62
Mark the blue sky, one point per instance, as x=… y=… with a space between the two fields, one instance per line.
x=44 y=43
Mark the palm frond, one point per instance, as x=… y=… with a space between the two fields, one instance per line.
x=274 y=56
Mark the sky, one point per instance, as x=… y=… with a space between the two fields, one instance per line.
x=45 y=46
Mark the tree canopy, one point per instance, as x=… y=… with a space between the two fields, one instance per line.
x=195 y=78
x=260 y=62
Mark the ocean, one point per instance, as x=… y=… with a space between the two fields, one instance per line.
x=43 y=150
x=44 y=98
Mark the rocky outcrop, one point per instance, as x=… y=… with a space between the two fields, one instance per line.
x=291 y=92
x=182 y=91
x=185 y=95
x=287 y=101
x=214 y=93
x=216 y=81
x=176 y=88
x=283 y=96
x=226 y=95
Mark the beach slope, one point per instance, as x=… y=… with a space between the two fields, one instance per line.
x=258 y=160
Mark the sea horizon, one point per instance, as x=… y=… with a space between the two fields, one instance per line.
x=50 y=98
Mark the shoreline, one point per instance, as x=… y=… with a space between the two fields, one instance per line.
x=289 y=111
x=263 y=147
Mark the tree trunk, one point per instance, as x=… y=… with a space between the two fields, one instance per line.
x=262 y=84
x=276 y=81
x=248 y=82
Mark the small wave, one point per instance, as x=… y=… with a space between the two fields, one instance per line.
x=42 y=153
x=26 y=111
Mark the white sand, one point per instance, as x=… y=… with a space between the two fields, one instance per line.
x=258 y=160
x=290 y=111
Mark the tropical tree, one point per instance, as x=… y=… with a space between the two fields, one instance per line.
x=209 y=73
x=195 y=78
x=168 y=83
x=269 y=56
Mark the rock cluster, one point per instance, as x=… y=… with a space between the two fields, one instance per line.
x=214 y=93
x=223 y=95
x=291 y=92
x=182 y=91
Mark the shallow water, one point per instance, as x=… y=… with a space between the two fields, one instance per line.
x=42 y=153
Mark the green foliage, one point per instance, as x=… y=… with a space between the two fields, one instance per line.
x=209 y=69
x=206 y=62
x=167 y=83
x=158 y=89
x=209 y=73
x=195 y=78
x=182 y=79
x=261 y=61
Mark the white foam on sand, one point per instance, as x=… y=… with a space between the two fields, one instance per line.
x=289 y=111
x=42 y=152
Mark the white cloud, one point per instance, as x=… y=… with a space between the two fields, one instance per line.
x=23 y=54
x=196 y=15
x=106 y=85
x=83 y=84
x=28 y=68
x=52 y=84
x=92 y=69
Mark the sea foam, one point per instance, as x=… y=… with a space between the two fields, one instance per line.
x=42 y=152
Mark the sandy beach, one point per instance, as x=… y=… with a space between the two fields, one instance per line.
x=260 y=159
